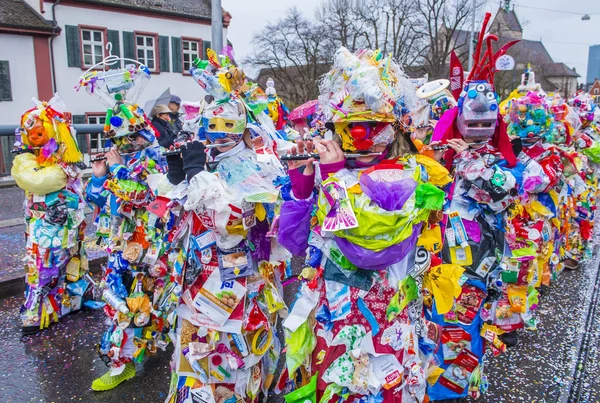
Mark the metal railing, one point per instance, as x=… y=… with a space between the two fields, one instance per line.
x=84 y=140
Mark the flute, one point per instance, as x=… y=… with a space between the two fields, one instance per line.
x=175 y=151
x=302 y=157
x=24 y=150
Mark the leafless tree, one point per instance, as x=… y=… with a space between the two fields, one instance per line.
x=440 y=23
x=296 y=50
x=292 y=51
x=374 y=24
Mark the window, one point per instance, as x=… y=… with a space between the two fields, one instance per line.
x=92 y=46
x=191 y=50
x=596 y=91
x=5 y=87
x=96 y=140
x=146 y=46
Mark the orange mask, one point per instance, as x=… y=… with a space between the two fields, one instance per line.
x=37 y=135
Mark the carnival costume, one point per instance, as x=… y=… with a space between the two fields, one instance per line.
x=229 y=266
x=131 y=227
x=47 y=168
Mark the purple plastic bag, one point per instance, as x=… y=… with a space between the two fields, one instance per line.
x=371 y=260
x=294 y=225
x=389 y=196
x=262 y=243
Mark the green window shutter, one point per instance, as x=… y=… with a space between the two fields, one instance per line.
x=176 y=52
x=73 y=46
x=5 y=89
x=129 y=45
x=113 y=37
x=79 y=119
x=205 y=47
x=163 y=48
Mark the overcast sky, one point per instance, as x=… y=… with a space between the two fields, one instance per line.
x=565 y=35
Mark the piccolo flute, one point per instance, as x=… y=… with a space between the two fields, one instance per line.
x=302 y=157
x=175 y=151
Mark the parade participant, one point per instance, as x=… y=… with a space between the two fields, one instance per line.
x=131 y=225
x=174 y=108
x=357 y=325
x=486 y=182
x=47 y=168
x=162 y=121
x=227 y=264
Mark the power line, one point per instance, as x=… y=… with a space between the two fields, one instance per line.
x=568 y=43
x=554 y=10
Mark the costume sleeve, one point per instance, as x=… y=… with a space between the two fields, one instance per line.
x=175 y=173
x=327 y=169
x=194 y=159
x=30 y=176
x=302 y=185
x=94 y=191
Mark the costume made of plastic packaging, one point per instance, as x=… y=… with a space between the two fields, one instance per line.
x=487 y=178
x=228 y=265
x=582 y=170
x=131 y=226
x=47 y=169
x=357 y=325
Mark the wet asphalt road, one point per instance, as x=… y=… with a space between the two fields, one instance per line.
x=59 y=365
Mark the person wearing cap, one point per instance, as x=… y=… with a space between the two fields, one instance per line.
x=163 y=122
x=174 y=105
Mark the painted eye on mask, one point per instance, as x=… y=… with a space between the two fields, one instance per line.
x=490 y=96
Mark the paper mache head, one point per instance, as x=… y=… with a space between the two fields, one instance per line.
x=45 y=130
x=477 y=112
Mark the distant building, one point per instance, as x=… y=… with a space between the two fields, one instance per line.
x=45 y=45
x=594 y=90
x=550 y=74
x=593 y=67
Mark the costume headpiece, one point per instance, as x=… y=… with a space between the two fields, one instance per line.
x=45 y=128
x=476 y=119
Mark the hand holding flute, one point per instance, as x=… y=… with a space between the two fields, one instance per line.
x=101 y=163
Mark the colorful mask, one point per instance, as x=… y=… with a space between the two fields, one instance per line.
x=133 y=142
x=362 y=136
x=478 y=112
x=225 y=121
x=45 y=129
x=529 y=118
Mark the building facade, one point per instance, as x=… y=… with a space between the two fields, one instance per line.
x=165 y=35
x=593 y=67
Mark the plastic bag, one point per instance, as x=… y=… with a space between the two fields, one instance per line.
x=389 y=196
x=378 y=260
x=300 y=345
x=294 y=225
x=31 y=177
x=305 y=394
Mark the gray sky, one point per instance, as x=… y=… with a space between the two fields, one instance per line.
x=565 y=35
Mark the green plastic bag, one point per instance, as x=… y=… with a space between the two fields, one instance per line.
x=306 y=394
x=300 y=345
